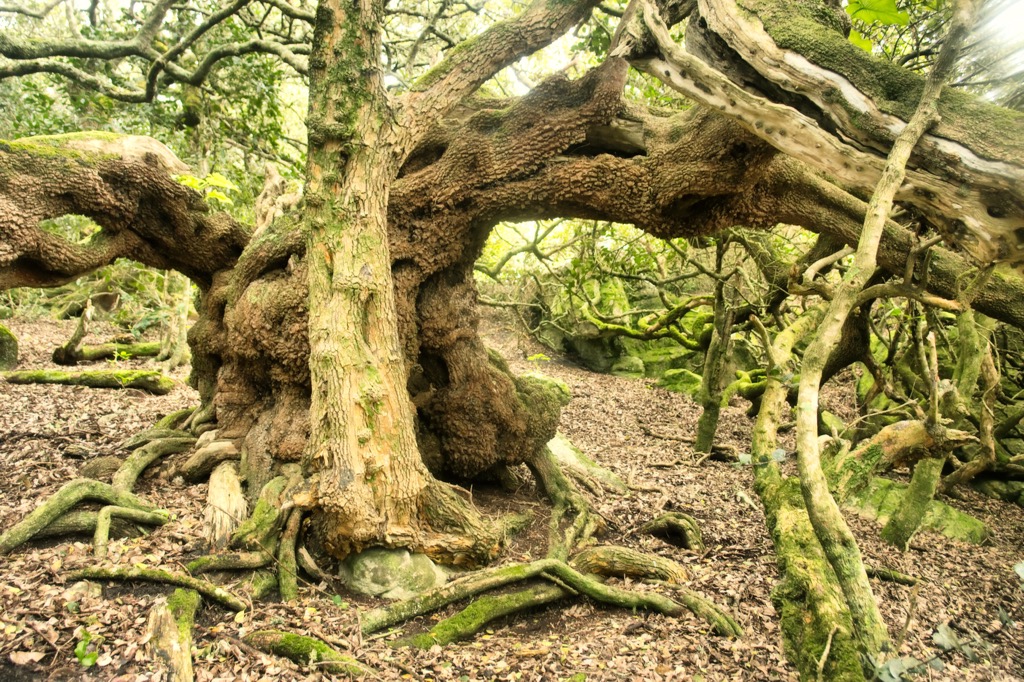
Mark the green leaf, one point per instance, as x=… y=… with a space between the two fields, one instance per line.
x=190 y=181
x=877 y=12
x=218 y=180
x=1019 y=570
x=945 y=638
x=217 y=195
x=778 y=454
x=745 y=458
x=858 y=39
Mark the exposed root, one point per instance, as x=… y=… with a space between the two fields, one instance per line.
x=566 y=498
x=153 y=382
x=156 y=575
x=575 y=463
x=908 y=516
x=117 y=496
x=101 y=536
x=106 y=351
x=239 y=561
x=262 y=528
x=306 y=651
x=156 y=433
x=678 y=529
x=225 y=506
x=287 y=570
x=202 y=419
x=610 y=561
x=259 y=584
x=722 y=623
x=175 y=419
x=463 y=536
x=84 y=523
x=203 y=461
x=481 y=612
x=71 y=494
x=563 y=578
x=169 y=631
x=891 y=575
x=143 y=457
x=467 y=586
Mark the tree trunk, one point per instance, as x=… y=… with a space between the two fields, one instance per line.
x=713 y=382
x=368 y=476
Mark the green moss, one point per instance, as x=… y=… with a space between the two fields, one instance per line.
x=153 y=382
x=797 y=26
x=183 y=605
x=8 y=349
x=451 y=58
x=476 y=615
x=306 y=651
x=174 y=419
x=851 y=475
x=681 y=381
x=53 y=146
x=262 y=526
x=807 y=597
x=882 y=498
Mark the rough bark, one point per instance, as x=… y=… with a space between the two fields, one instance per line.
x=808 y=597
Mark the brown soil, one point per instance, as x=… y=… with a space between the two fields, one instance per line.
x=629 y=426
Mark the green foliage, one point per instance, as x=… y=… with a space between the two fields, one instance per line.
x=86 y=658
x=212 y=187
x=873 y=12
x=904 y=667
x=877 y=12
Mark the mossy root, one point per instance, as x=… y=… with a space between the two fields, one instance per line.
x=68 y=496
x=155 y=575
x=306 y=651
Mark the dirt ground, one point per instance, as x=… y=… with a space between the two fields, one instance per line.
x=629 y=426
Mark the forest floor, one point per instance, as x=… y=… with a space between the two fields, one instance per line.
x=631 y=427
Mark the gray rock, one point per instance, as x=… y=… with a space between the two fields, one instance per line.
x=391 y=573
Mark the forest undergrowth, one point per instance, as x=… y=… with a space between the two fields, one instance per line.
x=54 y=628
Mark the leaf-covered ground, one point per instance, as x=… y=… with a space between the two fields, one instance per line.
x=48 y=432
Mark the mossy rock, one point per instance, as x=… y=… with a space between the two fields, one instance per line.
x=882 y=498
x=662 y=358
x=1008 y=491
x=8 y=349
x=596 y=354
x=629 y=366
x=391 y=573
x=681 y=381
x=550 y=385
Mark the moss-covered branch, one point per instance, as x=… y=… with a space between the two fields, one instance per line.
x=153 y=382
x=156 y=575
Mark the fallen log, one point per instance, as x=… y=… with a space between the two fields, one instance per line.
x=152 y=382
x=106 y=351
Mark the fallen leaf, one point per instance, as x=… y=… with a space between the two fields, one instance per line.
x=26 y=657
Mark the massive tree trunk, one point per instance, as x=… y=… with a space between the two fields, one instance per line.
x=367 y=477
x=428 y=187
